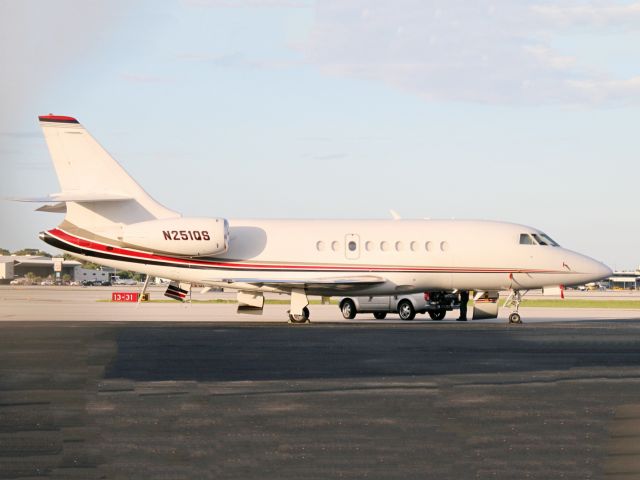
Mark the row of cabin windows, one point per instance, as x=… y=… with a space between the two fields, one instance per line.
x=383 y=246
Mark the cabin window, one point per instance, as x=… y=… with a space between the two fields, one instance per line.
x=525 y=239
x=320 y=246
x=384 y=246
x=352 y=246
x=428 y=246
x=335 y=246
x=444 y=246
x=368 y=246
x=399 y=246
x=413 y=246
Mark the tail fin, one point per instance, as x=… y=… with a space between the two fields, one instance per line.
x=99 y=193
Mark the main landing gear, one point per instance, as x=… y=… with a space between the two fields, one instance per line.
x=513 y=300
x=302 y=318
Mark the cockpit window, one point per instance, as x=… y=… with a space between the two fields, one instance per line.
x=525 y=239
x=539 y=239
x=543 y=239
x=549 y=240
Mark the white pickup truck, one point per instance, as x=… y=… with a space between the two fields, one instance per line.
x=436 y=304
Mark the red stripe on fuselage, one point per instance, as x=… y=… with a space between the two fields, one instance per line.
x=89 y=244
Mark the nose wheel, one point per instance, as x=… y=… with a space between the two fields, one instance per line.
x=515 y=318
x=514 y=300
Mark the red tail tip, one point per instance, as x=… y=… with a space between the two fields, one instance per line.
x=57 y=119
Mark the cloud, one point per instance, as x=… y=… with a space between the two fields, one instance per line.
x=144 y=79
x=41 y=41
x=599 y=91
x=618 y=16
x=33 y=166
x=238 y=60
x=487 y=51
x=329 y=156
x=250 y=3
x=21 y=135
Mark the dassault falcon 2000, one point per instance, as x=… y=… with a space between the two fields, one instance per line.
x=111 y=220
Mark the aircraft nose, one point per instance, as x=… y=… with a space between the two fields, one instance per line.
x=586 y=269
x=598 y=270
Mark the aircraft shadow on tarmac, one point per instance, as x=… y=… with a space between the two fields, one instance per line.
x=241 y=353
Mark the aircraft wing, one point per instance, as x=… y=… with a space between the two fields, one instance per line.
x=337 y=283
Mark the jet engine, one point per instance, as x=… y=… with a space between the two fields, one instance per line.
x=184 y=236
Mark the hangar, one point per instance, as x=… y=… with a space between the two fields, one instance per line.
x=625 y=280
x=15 y=266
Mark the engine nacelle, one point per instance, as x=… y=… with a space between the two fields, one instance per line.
x=191 y=237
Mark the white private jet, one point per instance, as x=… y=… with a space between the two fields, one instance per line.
x=112 y=221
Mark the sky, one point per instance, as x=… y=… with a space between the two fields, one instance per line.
x=521 y=111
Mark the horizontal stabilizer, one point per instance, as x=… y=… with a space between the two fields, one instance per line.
x=76 y=197
x=55 y=208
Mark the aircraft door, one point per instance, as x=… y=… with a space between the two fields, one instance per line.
x=352 y=246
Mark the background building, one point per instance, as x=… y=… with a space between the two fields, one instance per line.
x=625 y=280
x=16 y=266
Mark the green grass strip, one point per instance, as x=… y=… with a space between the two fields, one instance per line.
x=579 y=303
x=538 y=303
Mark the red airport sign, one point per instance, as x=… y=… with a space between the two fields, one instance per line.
x=124 y=296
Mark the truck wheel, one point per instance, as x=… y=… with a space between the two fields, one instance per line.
x=380 y=315
x=348 y=309
x=406 y=310
x=437 y=314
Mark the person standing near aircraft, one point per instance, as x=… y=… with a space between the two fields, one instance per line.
x=464 y=299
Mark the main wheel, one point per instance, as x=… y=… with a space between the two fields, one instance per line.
x=304 y=318
x=515 y=318
x=437 y=314
x=348 y=309
x=380 y=315
x=406 y=310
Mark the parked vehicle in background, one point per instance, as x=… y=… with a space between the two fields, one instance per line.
x=436 y=304
x=89 y=277
x=592 y=286
x=116 y=280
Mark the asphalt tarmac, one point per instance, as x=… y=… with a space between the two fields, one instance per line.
x=558 y=398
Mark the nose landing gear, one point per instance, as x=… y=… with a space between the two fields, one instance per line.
x=513 y=300
x=514 y=317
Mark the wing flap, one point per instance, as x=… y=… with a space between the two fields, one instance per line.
x=338 y=283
